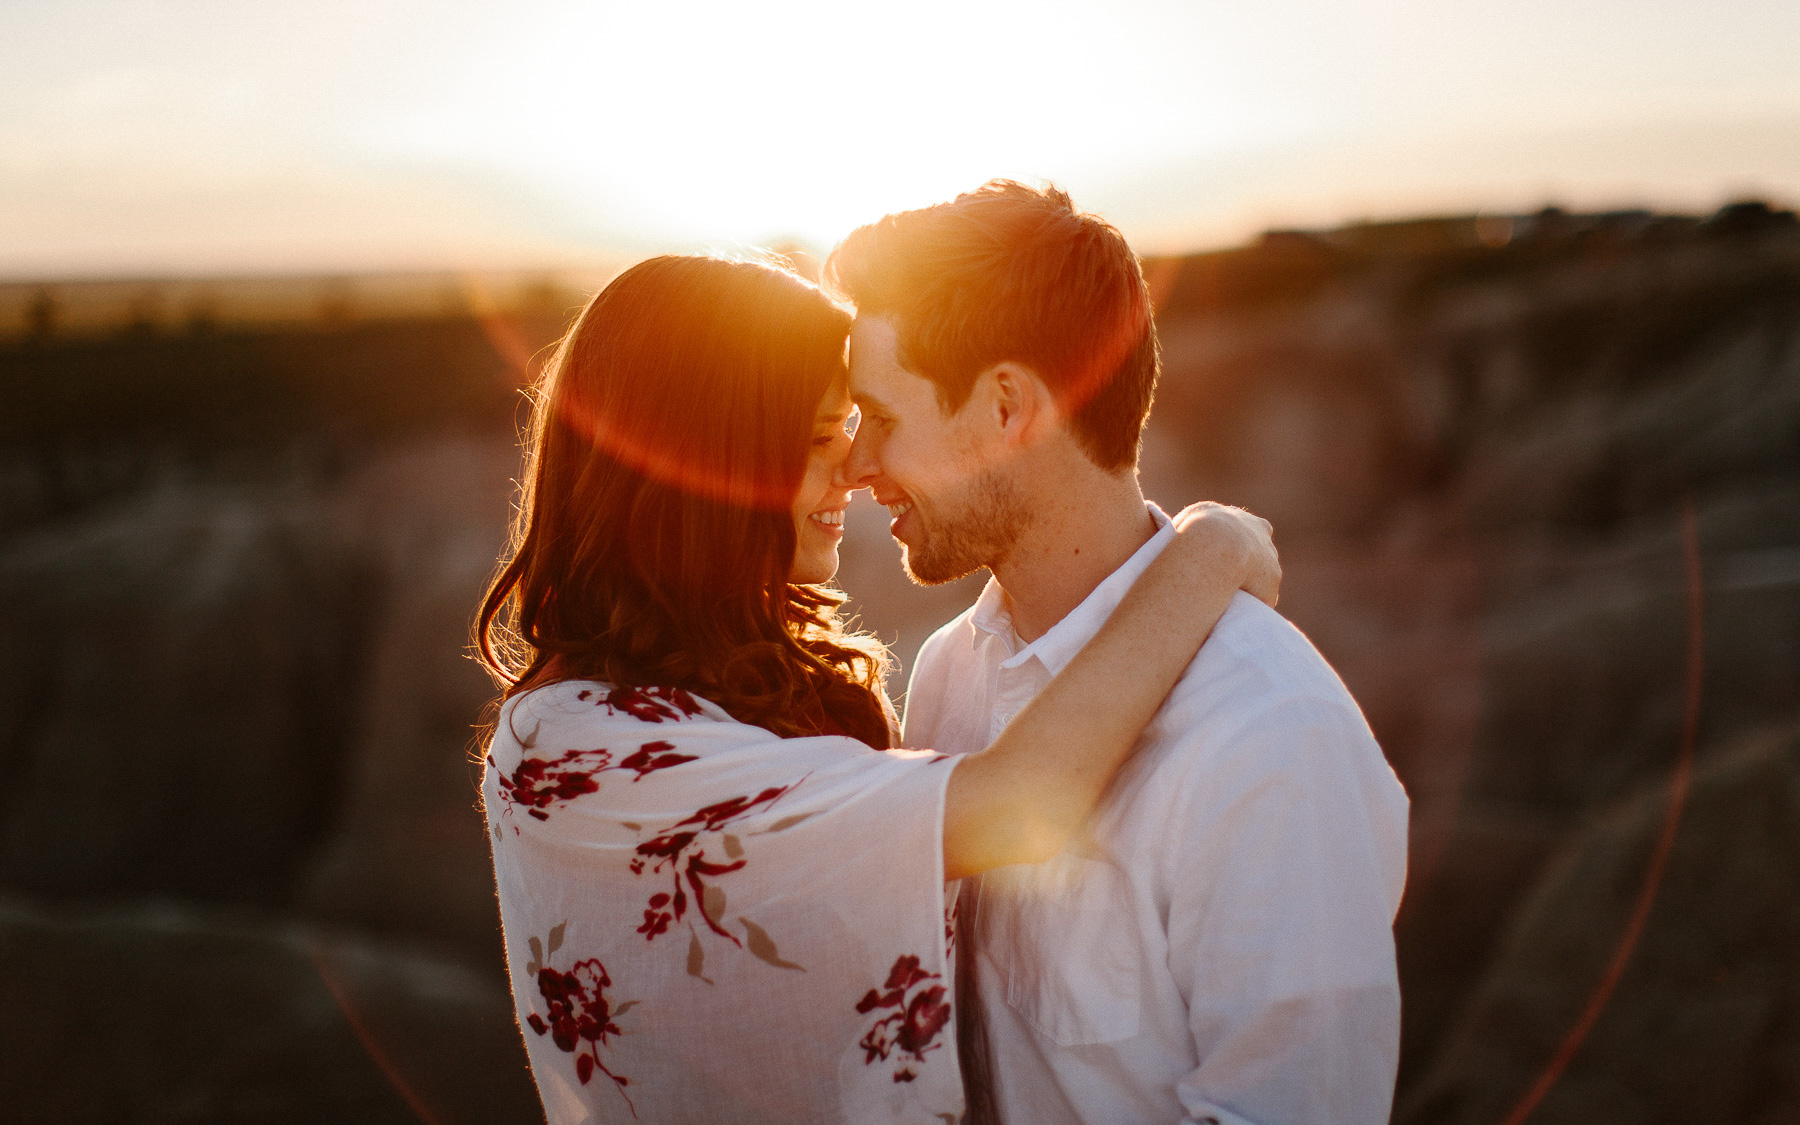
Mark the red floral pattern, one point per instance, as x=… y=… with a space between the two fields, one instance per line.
x=917 y=1019
x=677 y=843
x=653 y=756
x=650 y=704
x=580 y=1016
x=691 y=860
x=539 y=783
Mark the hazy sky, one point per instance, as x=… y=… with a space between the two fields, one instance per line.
x=187 y=136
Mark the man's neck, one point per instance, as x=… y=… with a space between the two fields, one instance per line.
x=1077 y=538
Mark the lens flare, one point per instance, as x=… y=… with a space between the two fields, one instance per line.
x=1665 y=842
x=370 y=1044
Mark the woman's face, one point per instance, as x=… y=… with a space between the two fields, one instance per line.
x=819 y=505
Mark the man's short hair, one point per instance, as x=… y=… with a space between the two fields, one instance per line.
x=1010 y=272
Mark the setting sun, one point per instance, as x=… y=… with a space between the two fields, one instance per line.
x=142 y=136
x=726 y=121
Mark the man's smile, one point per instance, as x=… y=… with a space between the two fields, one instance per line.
x=897 y=504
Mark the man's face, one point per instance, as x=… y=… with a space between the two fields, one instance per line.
x=954 y=508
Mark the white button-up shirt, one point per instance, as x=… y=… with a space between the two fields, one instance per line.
x=1220 y=947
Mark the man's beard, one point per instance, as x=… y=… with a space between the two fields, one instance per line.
x=976 y=529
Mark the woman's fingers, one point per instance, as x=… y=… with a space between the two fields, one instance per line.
x=1196 y=511
x=1261 y=576
x=1264 y=579
x=1265 y=585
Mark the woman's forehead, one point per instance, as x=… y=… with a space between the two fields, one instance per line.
x=836 y=403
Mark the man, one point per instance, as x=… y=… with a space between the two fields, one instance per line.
x=1220 y=947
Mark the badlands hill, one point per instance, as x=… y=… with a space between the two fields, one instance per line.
x=1537 y=485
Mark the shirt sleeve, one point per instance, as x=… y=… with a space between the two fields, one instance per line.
x=699 y=914
x=1282 y=902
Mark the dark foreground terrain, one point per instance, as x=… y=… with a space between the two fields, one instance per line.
x=1537 y=486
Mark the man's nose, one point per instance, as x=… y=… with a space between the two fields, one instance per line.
x=860 y=468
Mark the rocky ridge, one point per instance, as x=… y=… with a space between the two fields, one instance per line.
x=237 y=571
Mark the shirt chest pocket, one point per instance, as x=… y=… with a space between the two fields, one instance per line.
x=1062 y=938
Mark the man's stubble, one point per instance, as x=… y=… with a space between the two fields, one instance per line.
x=976 y=529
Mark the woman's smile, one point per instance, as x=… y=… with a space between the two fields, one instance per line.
x=821 y=498
x=829 y=521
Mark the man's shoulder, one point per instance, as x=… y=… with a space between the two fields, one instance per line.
x=1260 y=711
x=1258 y=655
x=938 y=665
x=943 y=643
x=1256 y=666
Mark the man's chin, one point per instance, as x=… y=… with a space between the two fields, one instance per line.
x=928 y=569
x=962 y=535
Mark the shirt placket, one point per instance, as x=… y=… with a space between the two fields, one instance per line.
x=1013 y=688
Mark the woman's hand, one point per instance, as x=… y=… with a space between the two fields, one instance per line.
x=1234 y=534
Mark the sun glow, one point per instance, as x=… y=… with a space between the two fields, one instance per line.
x=205 y=137
x=733 y=122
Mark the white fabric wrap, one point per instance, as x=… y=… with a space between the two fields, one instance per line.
x=821 y=862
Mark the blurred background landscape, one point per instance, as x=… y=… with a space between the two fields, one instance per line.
x=238 y=560
x=1493 y=310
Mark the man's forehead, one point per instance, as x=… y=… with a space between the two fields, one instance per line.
x=876 y=389
x=866 y=323
x=874 y=355
x=873 y=335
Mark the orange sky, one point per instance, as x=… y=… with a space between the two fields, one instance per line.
x=157 y=137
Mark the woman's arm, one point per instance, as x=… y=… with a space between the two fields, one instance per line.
x=1019 y=800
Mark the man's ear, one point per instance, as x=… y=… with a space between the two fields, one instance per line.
x=1021 y=404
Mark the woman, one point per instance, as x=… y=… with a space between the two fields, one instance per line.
x=723 y=896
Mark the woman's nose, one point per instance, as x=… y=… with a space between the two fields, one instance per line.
x=840 y=476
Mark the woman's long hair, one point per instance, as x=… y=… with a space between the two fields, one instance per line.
x=655 y=530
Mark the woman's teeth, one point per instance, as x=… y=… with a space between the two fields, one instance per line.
x=899 y=508
x=829 y=519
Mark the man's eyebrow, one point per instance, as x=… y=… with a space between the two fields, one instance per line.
x=869 y=402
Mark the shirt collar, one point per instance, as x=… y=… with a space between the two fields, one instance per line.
x=1059 y=645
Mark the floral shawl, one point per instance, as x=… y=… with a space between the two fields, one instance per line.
x=705 y=922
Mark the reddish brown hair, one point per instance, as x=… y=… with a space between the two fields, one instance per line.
x=655 y=532
x=1010 y=272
